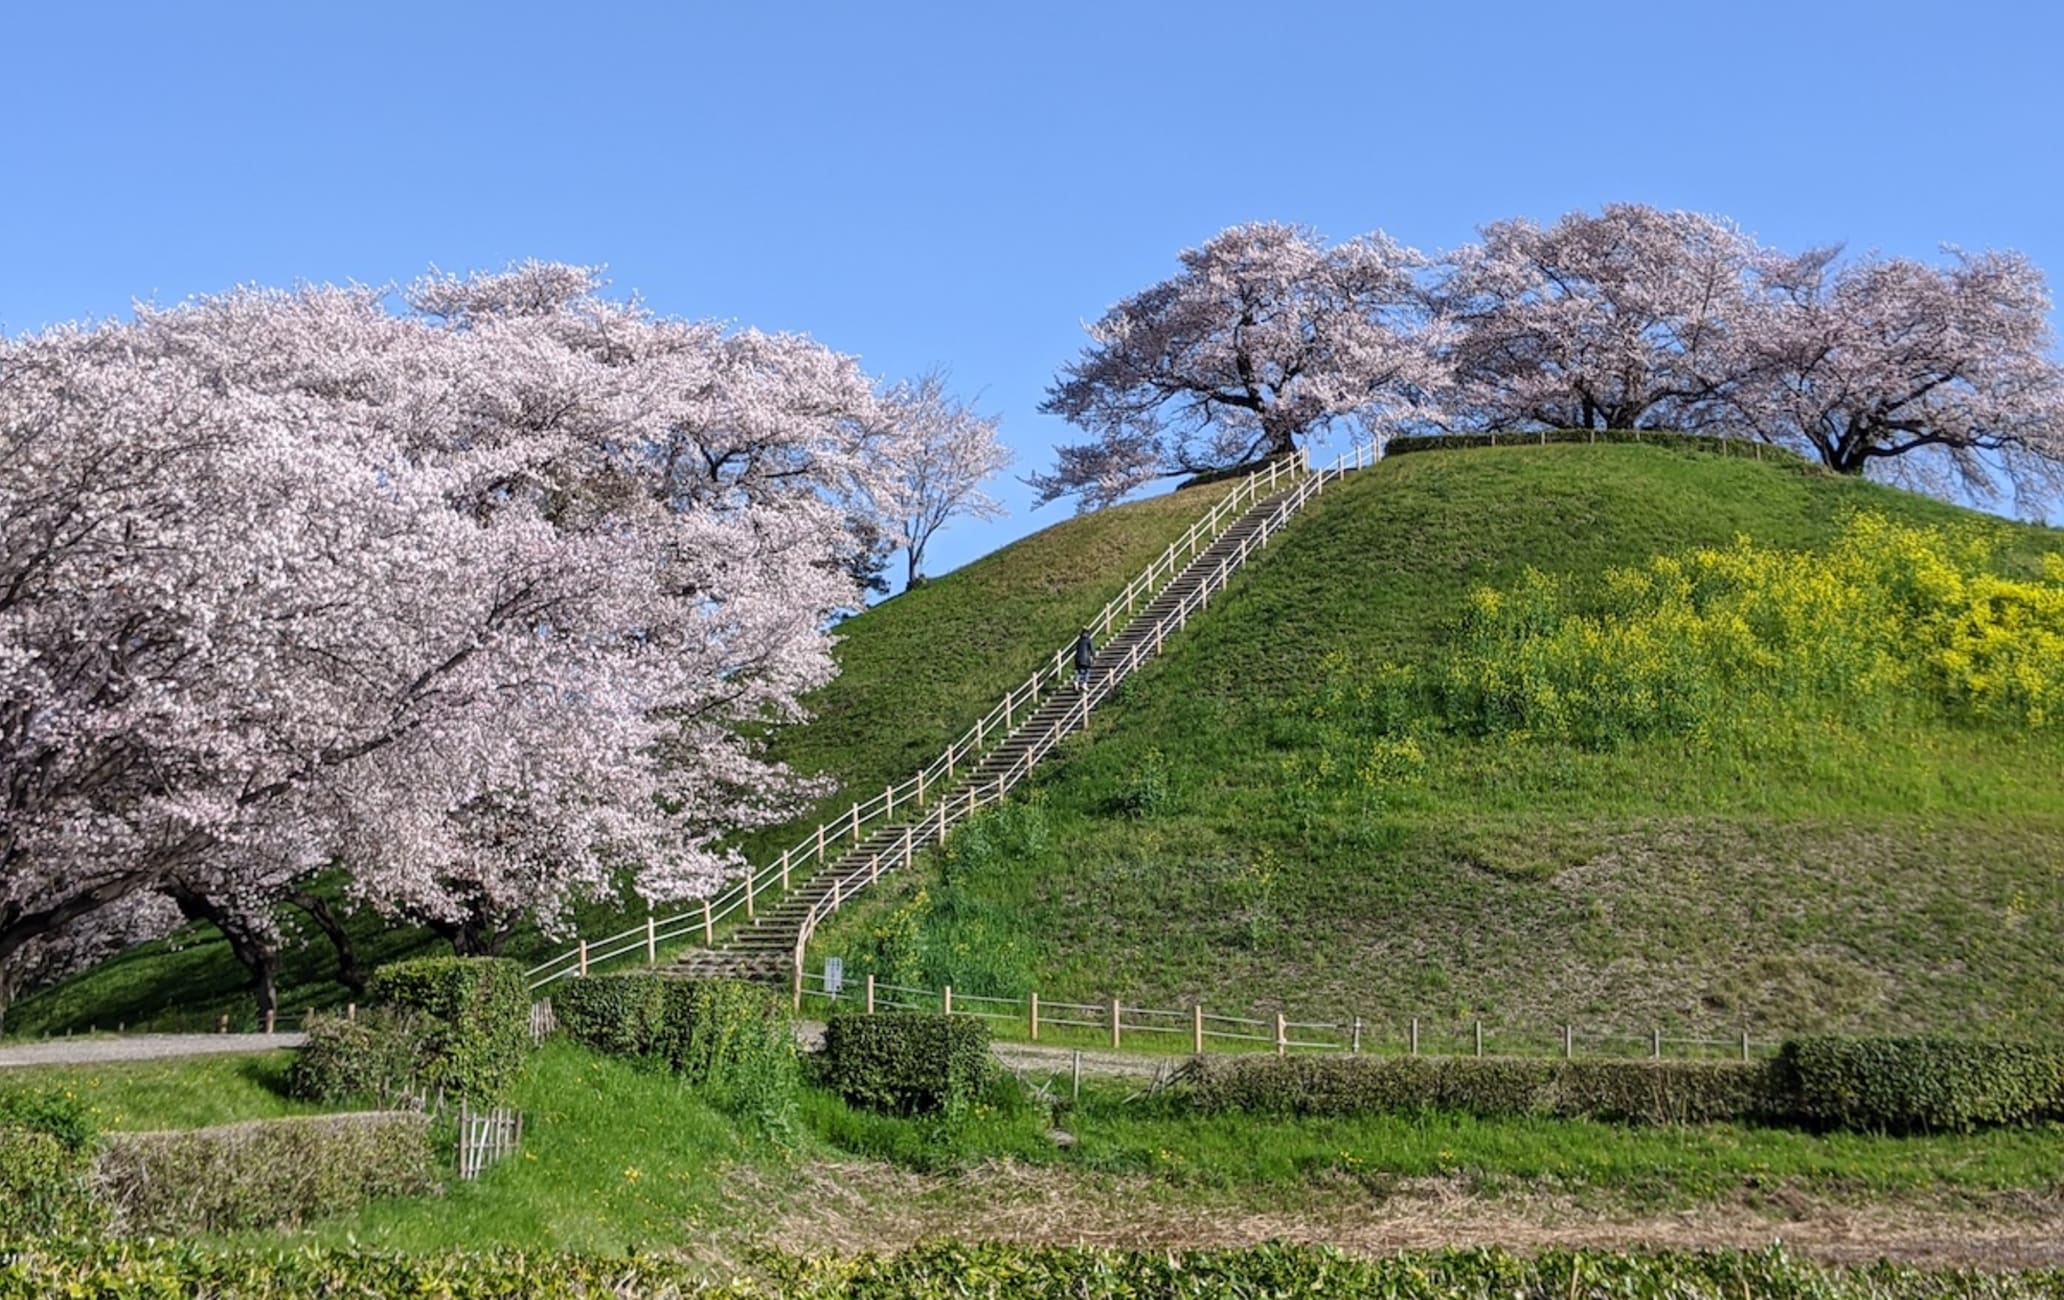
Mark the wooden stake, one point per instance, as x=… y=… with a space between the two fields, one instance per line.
x=1197 y=1028
x=870 y=994
x=1035 y=1016
x=1655 y=1043
x=1355 y=1045
x=1117 y=1029
x=1568 y=1042
x=1282 y=1036
x=1415 y=1035
x=1479 y=1038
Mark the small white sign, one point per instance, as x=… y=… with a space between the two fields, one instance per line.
x=834 y=975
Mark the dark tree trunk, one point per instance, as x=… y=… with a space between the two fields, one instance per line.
x=351 y=973
x=254 y=951
x=473 y=935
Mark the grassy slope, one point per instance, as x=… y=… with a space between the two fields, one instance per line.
x=914 y=672
x=1883 y=881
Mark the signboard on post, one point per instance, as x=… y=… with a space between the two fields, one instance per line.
x=834 y=976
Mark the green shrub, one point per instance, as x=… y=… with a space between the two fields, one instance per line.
x=43 y=1187
x=736 y=1043
x=733 y=1041
x=1921 y=1085
x=1642 y=1092
x=617 y=1015
x=262 y=1174
x=475 y=1019
x=376 y=1057
x=907 y=1063
x=952 y=1270
x=41 y=1110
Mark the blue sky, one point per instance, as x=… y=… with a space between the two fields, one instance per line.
x=963 y=184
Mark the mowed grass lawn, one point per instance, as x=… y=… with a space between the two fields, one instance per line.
x=1904 y=877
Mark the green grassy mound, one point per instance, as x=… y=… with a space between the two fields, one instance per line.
x=1884 y=870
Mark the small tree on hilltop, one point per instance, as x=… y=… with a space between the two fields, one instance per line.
x=1264 y=338
x=948 y=451
x=1871 y=361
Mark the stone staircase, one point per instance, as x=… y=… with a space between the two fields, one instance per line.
x=765 y=948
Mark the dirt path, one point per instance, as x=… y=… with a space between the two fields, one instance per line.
x=846 y=1207
x=1039 y=1060
x=138 y=1047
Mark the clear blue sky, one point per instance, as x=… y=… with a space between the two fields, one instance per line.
x=965 y=183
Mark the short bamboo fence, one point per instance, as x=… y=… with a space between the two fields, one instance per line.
x=487 y=1137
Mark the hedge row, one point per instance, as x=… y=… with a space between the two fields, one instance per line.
x=1745 y=447
x=46 y=1155
x=732 y=1040
x=473 y=1017
x=1637 y=1092
x=375 y=1058
x=1875 y=1085
x=907 y=1063
x=276 y=1173
x=942 y=1270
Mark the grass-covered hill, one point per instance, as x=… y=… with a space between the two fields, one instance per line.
x=1305 y=805
x=1264 y=818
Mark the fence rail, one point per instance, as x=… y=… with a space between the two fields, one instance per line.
x=961 y=806
x=834 y=837
x=1119 y=1025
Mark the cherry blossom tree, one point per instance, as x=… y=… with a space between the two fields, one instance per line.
x=1628 y=319
x=475 y=601
x=1265 y=338
x=1942 y=376
x=52 y=957
x=947 y=451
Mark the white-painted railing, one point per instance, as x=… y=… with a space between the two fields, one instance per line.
x=963 y=803
x=834 y=838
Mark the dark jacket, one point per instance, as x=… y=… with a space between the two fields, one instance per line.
x=1085 y=653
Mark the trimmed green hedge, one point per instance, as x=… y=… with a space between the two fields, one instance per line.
x=907 y=1063
x=1922 y=1085
x=732 y=1040
x=1639 y=1092
x=474 y=1014
x=43 y=1188
x=46 y=1152
x=262 y=1174
x=1747 y=448
x=951 y=1271
x=1872 y=1085
x=617 y=1015
x=374 y=1058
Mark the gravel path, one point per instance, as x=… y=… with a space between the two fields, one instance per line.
x=1037 y=1058
x=138 y=1047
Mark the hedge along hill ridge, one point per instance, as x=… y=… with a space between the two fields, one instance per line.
x=1247 y=828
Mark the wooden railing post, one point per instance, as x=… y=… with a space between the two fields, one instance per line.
x=584 y=956
x=1117 y=1024
x=1282 y=1036
x=946 y=999
x=1035 y=1015
x=869 y=986
x=889 y=802
x=920 y=787
x=856 y=823
x=1197 y=1028
x=651 y=940
x=749 y=894
x=709 y=923
x=784 y=871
